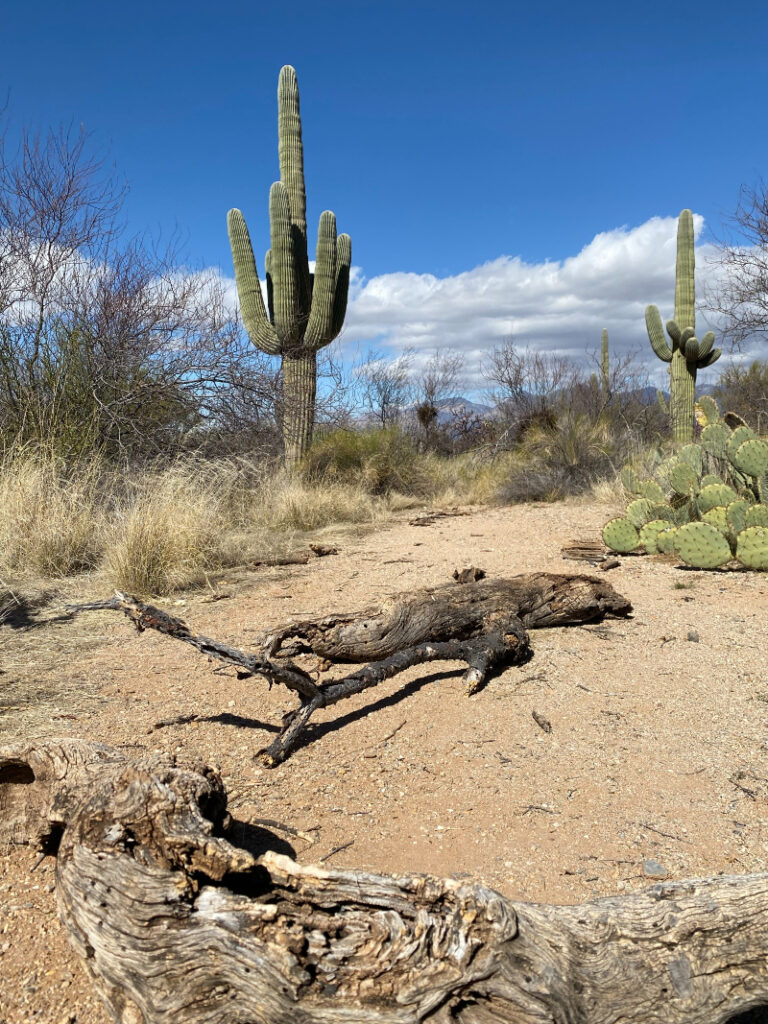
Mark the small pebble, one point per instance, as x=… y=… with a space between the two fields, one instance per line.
x=653 y=869
x=693 y=636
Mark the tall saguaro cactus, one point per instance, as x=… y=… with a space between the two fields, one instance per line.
x=305 y=310
x=686 y=354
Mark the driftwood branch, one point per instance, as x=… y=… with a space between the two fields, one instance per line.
x=176 y=925
x=483 y=624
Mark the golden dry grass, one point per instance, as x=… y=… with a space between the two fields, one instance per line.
x=160 y=529
x=51 y=519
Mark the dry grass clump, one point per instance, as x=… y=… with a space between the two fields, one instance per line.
x=51 y=515
x=473 y=478
x=378 y=461
x=177 y=526
x=285 y=503
x=567 y=458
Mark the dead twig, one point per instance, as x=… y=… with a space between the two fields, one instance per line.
x=335 y=850
x=541 y=721
x=667 y=835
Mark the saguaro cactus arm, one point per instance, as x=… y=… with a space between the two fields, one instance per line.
x=343 y=264
x=261 y=331
x=285 y=274
x=656 y=334
x=685 y=274
x=320 y=323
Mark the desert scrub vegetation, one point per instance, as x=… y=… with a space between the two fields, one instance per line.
x=51 y=521
x=158 y=528
x=569 y=455
x=379 y=460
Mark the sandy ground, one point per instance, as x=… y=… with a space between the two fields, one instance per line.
x=655 y=765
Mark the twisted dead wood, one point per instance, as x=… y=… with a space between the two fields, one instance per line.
x=176 y=925
x=482 y=624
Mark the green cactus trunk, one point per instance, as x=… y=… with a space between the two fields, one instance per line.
x=686 y=354
x=306 y=311
x=682 y=397
x=605 y=374
x=682 y=373
x=299 y=388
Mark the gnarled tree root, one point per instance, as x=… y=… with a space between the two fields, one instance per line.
x=483 y=624
x=178 y=926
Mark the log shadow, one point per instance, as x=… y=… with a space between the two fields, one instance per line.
x=257 y=840
x=223 y=718
x=757 y=1015
x=240 y=721
x=316 y=731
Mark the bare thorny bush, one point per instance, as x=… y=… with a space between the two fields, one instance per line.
x=109 y=343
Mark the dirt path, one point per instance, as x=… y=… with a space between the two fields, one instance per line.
x=655 y=765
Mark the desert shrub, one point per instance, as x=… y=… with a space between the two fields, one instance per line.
x=744 y=390
x=379 y=461
x=175 y=528
x=566 y=458
x=289 y=503
x=51 y=514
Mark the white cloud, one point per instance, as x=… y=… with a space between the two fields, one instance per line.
x=553 y=306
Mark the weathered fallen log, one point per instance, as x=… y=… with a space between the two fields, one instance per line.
x=451 y=612
x=176 y=925
x=484 y=624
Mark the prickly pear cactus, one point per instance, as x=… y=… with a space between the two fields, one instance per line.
x=736 y=439
x=717 y=517
x=751 y=457
x=649 y=535
x=665 y=541
x=736 y=516
x=713 y=495
x=684 y=478
x=757 y=515
x=719 y=484
x=621 y=535
x=752 y=547
x=639 y=511
x=706 y=410
x=702 y=546
x=630 y=481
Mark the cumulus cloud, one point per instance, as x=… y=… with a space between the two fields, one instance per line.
x=558 y=307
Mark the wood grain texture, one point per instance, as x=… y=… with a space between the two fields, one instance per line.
x=177 y=924
x=483 y=624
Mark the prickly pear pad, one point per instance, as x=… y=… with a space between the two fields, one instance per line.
x=620 y=535
x=752 y=547
x=702 y=545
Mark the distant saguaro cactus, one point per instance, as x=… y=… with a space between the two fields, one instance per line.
x=687 y=354
x=306 y=311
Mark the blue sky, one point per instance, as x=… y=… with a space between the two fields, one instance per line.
x=532 y=155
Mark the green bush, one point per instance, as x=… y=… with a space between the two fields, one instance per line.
x=380 y=461
x=565 y=458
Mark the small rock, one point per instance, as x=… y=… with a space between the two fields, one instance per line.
x=653 y=869
x=469 y=575
x=609 y=563
x=693 y=636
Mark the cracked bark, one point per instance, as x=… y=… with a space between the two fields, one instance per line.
x=483 y=624
x=176 y=925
